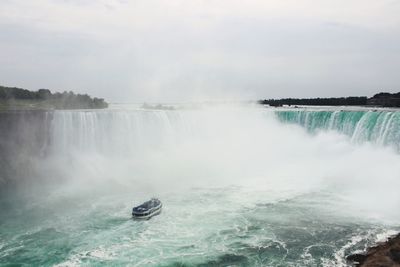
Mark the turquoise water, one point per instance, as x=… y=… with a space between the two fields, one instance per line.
x=378 y=126
x=198 y=228
x=239 y=188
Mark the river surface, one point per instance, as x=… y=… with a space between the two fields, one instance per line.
x=240 y=185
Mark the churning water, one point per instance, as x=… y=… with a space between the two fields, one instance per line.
x=241 y=186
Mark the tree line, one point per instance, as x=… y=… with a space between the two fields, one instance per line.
x=382 y=99
x=332 y=101
x=65 y=100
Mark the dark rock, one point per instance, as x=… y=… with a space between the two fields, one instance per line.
x=383 y=254
x=394 y=254
x=356 y=258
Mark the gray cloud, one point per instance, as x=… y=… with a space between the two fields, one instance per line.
x=196 y=50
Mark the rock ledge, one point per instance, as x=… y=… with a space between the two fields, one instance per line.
x=384 y=254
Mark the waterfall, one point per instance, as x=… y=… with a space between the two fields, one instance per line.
x=29 y=137
x=380 y=127
x=118 y=132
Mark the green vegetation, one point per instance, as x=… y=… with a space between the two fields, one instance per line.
x=379 y=100
x=339 y=101
x=385 y=100
x=13 y=98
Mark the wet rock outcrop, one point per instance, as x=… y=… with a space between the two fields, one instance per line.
x=386 y=254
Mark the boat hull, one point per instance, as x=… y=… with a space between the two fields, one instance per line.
x=145 y=217
x=147 y=210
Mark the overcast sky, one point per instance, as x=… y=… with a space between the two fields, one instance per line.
x=193 y=50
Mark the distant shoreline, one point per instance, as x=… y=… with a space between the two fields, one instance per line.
x=378 y=100
x=13 y=98
x=334 y=108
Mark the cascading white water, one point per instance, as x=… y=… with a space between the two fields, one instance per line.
x=239 y=188
x=377 y=126
x=222 y=146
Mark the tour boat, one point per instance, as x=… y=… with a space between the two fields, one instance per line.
x=148 y=209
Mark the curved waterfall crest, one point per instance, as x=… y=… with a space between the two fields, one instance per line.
x=27 y=136
x=380 y=127
x=116 y=131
